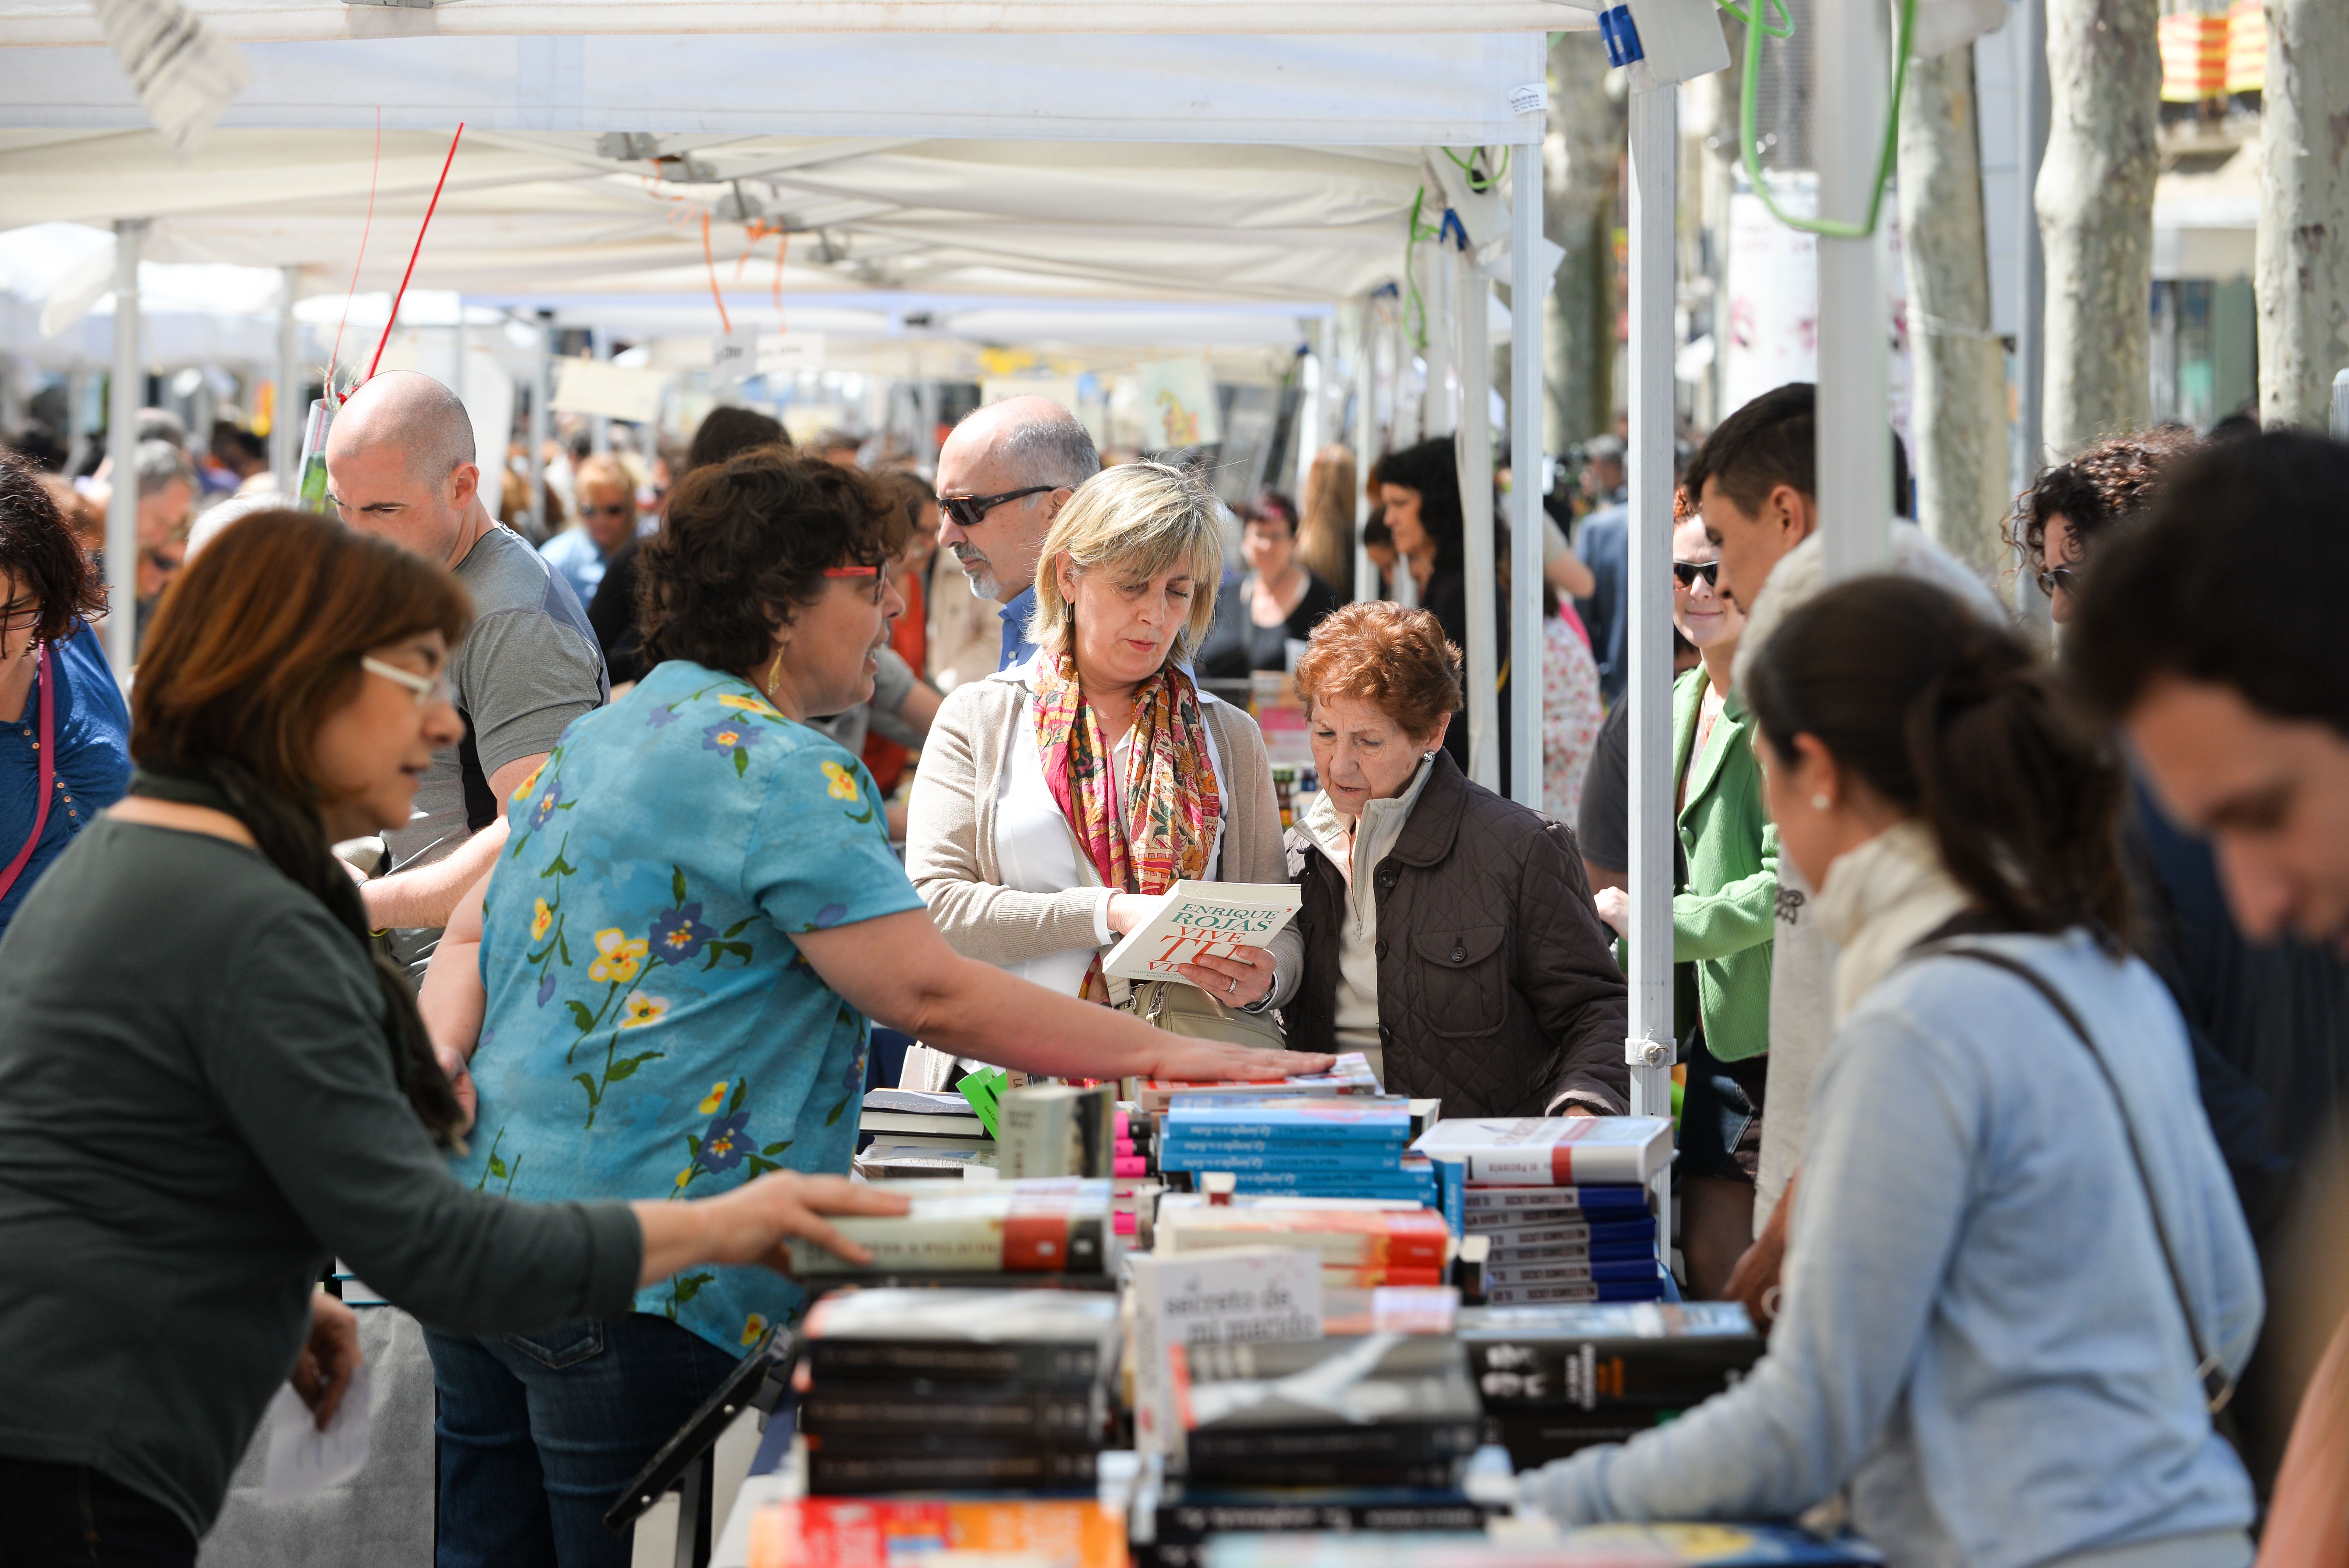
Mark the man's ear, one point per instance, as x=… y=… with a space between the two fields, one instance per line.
x=464 y=484
x=1792 y=512
x=1055 y=500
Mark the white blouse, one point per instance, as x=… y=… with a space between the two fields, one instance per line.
x=1039 y=851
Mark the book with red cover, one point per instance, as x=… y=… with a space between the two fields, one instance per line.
x=1357 y=1238
x=1551 y=1150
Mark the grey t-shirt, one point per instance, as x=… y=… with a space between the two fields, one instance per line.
x=893 y=683
x=529 y=666
x=197 y=1110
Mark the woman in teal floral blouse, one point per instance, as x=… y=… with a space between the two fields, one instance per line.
x=679 y=954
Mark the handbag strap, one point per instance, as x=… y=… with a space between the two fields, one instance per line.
x=47 y=766
x=2210 y=1368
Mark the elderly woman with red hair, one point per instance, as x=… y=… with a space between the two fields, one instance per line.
x=1448 y=932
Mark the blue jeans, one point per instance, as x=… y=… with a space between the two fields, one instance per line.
x=538 y=1433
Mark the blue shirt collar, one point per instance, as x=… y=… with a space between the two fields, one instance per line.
x=1017 y=649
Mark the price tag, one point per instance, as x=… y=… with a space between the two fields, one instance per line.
x=787 y=353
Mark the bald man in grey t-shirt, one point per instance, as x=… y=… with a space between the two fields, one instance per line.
x=400 y=465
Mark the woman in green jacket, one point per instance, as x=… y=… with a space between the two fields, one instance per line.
x=1722 y=910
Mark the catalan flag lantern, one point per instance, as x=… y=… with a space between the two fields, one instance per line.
x=2194 y=55
x=2247 y=47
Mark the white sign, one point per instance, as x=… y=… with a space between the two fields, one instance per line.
x=746 y=352
x=1178 y=404
x=1246 y=1293
x=302 y=1459
x=1773 y=295
x=614 y=391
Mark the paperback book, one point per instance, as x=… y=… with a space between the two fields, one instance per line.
x=1313 y=1411
x=1198 y=919
x=1487 y=1208
x=1662 y=1355
x=1349 y=1075
x=1038 y=1340
x=1001 y=1227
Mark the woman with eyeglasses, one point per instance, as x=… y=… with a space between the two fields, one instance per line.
x=2057 y=520
x=1059 y=797
x=210 y=1084
x=684 y=953
x=1724 y=910
x=64 y=733
x=605 y=497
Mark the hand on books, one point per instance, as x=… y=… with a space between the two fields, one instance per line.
x=1240 y=979
x=750 y=1224
x=1212 y=1061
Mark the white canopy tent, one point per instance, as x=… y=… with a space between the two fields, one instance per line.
x=934 y=193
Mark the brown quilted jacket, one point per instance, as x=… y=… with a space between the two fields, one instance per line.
x=1497 y=987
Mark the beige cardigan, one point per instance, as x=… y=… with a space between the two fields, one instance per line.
x=950 y=830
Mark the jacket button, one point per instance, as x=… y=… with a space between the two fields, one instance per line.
x=1459 y=953
x=1381 y=948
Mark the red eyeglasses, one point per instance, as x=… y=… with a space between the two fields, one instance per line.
x=852 y=572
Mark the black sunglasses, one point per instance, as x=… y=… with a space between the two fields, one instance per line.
x=971 y=510
x=2067 y=578
x=1688 y=572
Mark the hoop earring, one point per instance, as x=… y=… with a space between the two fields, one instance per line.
x=774 y=672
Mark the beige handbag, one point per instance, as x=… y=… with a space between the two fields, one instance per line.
x=1181 y=1009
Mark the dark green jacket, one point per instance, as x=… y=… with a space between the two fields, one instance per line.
x=1724 y=919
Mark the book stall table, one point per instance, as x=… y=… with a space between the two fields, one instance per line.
x=1258 y=1372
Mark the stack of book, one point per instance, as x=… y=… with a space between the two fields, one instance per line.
x=917 y=1135
x=1383 y=1411
x=958 y=1390
x=1358 y=1247
x=1349 y=1075
x=1562 y=1201
x=1555 y=1379
x=1311 y=1146
x=1055 y=1226
x=1711 y=1545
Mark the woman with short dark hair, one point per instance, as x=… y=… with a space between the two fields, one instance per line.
x=64 y=749
x=1449 y=934
x=1284 y=598
x=684 y=953
x=210 y=1084
x=2018 y=1281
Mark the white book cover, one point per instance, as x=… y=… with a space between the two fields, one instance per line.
x=1552 y=1150
x=1196 y=920
x=1251 y=1293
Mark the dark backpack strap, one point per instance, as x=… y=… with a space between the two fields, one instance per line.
x=2210 y=1369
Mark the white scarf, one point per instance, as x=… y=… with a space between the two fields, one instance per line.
x=1879 y=901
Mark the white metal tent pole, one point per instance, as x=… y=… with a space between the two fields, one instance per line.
x=1319 y=345
x=1473 y=448
x=125 y=393
x=599 y=341
x=1437 y=415
x=1854 y=456
x=1654 y=136
x=1525 y=628
x=2028 y=24
x=542 y=421
x=286 y=417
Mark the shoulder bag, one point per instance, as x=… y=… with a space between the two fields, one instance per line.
x=2218 y=1388
x=1182 y=1008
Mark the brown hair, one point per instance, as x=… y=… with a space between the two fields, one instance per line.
x=254 y=645
x=2107 y=483
x=1381 y=652
x=746 y=545
x=38 y=549
x=1325 y=534
x=1957 y=722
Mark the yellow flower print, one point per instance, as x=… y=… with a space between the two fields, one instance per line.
x=753 y=1326
x=843 y=782
x=542 y=920
x=749 y=705
x=528 y=784
x=620 y=956
x=641 y=1009
x=685 y=1175
x=714 y=1099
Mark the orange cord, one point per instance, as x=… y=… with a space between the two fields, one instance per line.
x=724 y=322
x=365 y=230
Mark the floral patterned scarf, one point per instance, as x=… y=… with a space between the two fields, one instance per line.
x=1172 y=806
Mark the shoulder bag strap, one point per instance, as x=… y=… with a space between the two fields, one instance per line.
x=2218 y=1389
x=48 y=767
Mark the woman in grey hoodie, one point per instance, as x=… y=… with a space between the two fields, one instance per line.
x=2018 y=1277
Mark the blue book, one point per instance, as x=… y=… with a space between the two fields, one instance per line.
x=1651 y=1288
x=1186 y=1157
x=1577 y=1232
x=1212 y=1139
x=1336 y=1184
x=1573 y=1253
x=1574 y=1271
x=1383 y=1121
x=1489 y=1206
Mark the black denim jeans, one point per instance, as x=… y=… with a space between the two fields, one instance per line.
x=70 y=1516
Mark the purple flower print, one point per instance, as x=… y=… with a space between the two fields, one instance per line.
x=726 y=1142
x=679 y=934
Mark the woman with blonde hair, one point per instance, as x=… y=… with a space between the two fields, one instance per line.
x=1325 y=534
x=1057 y=797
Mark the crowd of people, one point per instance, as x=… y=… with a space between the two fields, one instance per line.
x=511 y=918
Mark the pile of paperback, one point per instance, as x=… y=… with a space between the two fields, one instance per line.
x=1293 y=1145
x=1563 y=1201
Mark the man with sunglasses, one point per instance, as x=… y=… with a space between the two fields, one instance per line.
x=1754 y=485
x=400 y=464
x=1003 y=475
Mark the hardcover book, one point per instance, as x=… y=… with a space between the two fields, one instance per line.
x=1552 y=1150
x=1008 y=1227
x=1668 y=1354
x=1037 y=1340
x=1487 y=1208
